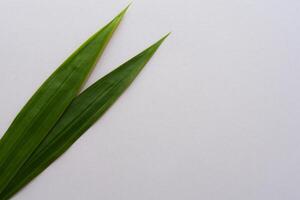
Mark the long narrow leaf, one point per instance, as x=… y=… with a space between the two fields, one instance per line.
x=46 y=106
x=80 y=115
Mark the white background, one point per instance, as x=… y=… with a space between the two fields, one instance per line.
x=214 y=115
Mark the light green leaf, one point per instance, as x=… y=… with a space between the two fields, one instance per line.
x=79 y=116
x=46 y=106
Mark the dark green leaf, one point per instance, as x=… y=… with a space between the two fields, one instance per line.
x=80 y=115
x=46 y=106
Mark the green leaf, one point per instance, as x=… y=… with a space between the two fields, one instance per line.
x=80 y=115
x=46 y=106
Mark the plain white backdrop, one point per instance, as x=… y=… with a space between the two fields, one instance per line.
x=214 y=115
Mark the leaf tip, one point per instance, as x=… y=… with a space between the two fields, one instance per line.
x=122 y=13
x=159 y=42
x=167 y=35
x=128 y=5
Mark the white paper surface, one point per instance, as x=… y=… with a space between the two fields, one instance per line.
x=214 y=115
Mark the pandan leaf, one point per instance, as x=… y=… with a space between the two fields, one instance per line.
x=79 y=116
x=47 y=105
